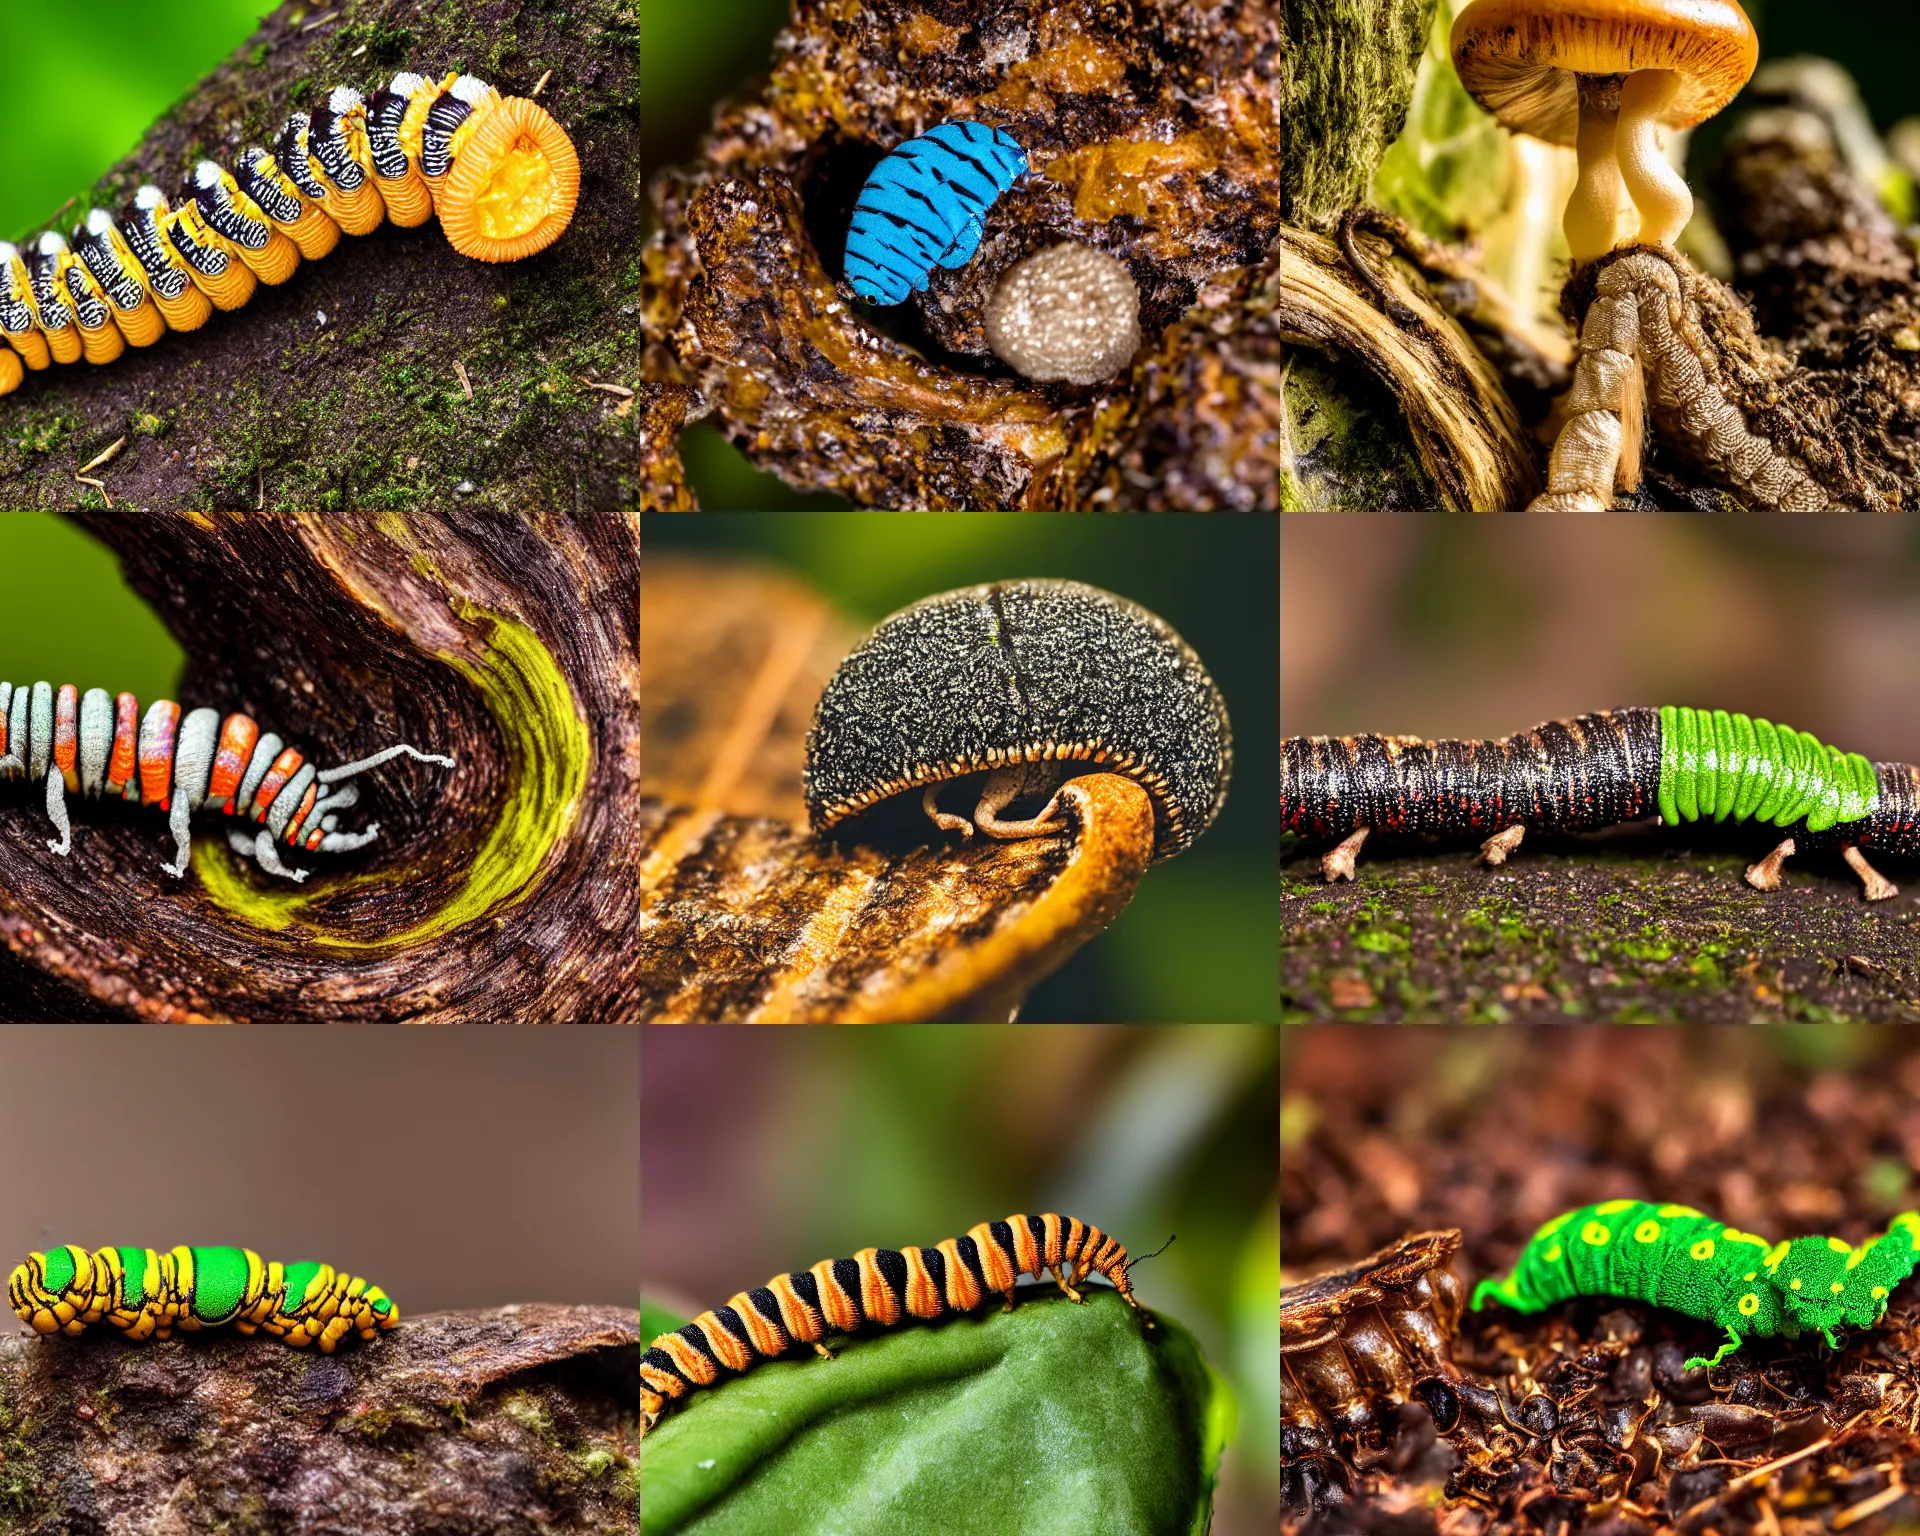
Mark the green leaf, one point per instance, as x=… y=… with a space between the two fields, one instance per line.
x=1053 y=1418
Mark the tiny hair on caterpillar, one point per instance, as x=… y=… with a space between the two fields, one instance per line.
x=1598 y=770
x=500 y=173
x=147 y=1295
x=95 y=743
x=877 y=1286
x=1675 y=1257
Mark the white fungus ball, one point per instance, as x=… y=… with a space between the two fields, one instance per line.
x=1069 y=313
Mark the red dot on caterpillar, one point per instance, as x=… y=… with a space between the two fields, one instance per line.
x=501 y=174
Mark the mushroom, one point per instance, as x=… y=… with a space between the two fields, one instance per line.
x=1605 y=76
x=1069 y=312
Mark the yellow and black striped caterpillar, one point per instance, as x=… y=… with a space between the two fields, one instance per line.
x=501 y=174
x=146 y=1295
x=878 y=1286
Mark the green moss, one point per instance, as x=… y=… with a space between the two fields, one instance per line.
x=529 y=1413
x=548 y=751
x=1351 y=450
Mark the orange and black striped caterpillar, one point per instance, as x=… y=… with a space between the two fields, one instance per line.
x=501 y=174
x=93 y=743
x=878 y=1286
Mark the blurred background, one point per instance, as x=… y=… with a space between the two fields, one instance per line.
x=1779 y=1130
x=1484 y=627
x=768 y=1149
x=453 y=1168
x=69 y=618
x=1199 y=942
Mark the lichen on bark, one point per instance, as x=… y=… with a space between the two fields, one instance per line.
x=514 y=1420
x=273 y=406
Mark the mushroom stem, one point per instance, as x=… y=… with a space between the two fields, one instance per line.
x=1657 y=190
x=1593 y=212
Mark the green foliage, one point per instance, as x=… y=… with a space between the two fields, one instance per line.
x=1053 y=1418
x=69 y=618
x=95 y=83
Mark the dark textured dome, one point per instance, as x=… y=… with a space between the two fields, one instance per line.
x=1022 y=671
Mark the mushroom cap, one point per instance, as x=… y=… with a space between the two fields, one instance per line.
x=1521 y=59
x=1037 y=670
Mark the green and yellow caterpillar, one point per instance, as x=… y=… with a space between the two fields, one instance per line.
x=1597 y=770
x=146 y=1295
x=1673 y=1256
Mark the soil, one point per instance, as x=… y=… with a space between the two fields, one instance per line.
x=1781 y=1132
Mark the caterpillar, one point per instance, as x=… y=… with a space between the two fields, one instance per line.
x=498 y=170
x=878 y=1286
x=923 y=207
x=95 y=743
x=1673 y=1256
x=1599 y=769
x=146 y=1295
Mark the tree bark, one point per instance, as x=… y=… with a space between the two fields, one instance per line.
x=274 y=406
x=502 y=889
x=514 y=1420
x=1631 y=927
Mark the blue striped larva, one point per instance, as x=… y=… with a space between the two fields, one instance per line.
x=98 y=743
x=501 y=174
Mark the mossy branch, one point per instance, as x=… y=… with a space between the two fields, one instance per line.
x=339 y=389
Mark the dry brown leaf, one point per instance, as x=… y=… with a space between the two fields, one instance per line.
x=745 y=917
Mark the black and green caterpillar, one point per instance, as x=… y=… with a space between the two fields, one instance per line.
x=1597 y=770
x=146 y=1295
x=1673 y=1256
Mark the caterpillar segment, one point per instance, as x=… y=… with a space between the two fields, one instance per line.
x=1598 y=770
x=148 y=1295
x=1676 y=1257
x=502 y=175
x=94 y=744
x=877 y=1286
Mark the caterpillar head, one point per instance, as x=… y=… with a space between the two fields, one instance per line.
x=1825 y=1283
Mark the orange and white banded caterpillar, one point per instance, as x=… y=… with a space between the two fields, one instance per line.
x=498 y=170
x=877 y=1286
x=97 y=743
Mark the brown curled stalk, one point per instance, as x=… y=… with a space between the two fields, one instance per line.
x=1643 y=348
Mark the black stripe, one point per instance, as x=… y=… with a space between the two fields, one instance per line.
x=936 y=1263
x=693 y=1335
x=1002 y=1236
x=893 y=1270
x=768 y=1306
x=660 y=1360
x=736 y=1325
x=806 y=1288
x=846 y=1275
x=969 y=1252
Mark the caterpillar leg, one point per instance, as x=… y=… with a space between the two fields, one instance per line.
x=1063 y=1275
x=1879 y=887
x=260 y=848
x=1733 y=1342
x=1496 y=848
x=1008 y=784
x=946 y=821
x=179 y=825
x=1765 y=876
x=1338 y=865
x=821 y=1350
x=57 y=812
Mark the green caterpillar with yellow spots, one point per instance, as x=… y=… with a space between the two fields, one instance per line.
x=146 y=1295
x=1673 y=1256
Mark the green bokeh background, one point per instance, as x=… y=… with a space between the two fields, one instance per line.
x=87 y=83
x=1199 y=941
x=69 y=618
